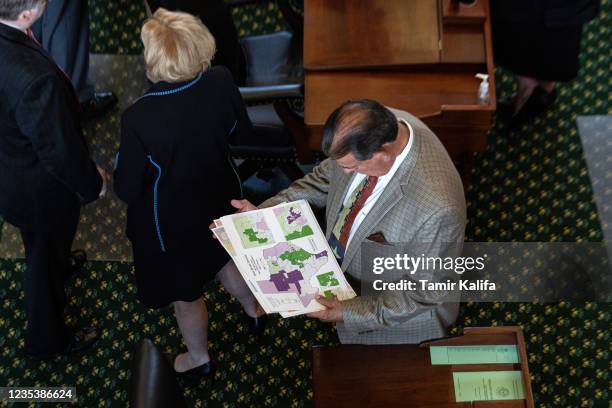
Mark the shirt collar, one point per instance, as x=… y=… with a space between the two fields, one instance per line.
x=404 y=153
x=6 y=23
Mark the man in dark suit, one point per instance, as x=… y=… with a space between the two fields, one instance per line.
x=63 y=31
x=46 y=174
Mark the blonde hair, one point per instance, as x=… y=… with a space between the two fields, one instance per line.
x=177 y=46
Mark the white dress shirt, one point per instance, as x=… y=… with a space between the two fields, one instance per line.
x=382 y=183
x=12 y=25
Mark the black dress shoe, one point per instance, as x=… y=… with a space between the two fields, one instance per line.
x=538 y=102
x=80 y=340
x=257 y=325
x=98 y=105
x=201 y=371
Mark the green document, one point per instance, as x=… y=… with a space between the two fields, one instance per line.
x=488 y=385
x=496 y=354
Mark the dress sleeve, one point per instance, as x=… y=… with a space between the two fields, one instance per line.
x=131 y=164
x=241 y=128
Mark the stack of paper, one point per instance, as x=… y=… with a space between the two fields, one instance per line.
x=283 y=256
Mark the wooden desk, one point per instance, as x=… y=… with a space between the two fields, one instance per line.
x=402 y=375
x=419 y=56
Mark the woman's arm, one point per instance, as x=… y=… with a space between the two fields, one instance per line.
x=241 y=128
x=131 y=166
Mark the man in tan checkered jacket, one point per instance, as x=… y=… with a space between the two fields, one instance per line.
x=388 y=179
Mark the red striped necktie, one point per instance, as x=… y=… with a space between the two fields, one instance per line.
x=348 y=214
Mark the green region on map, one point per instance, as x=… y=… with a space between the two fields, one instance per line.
x=253 y=230
x=293 y=222
x=296 y=257
x=327 y=279
x=301 y=233
x=252 y=235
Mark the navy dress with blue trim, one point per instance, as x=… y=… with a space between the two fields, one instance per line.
x=173 y=171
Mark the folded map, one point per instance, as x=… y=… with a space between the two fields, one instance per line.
x=282 y=254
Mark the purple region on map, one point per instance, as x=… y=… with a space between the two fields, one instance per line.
x=320 y=254
x=283 y=279
x=291 y=279
x=261 y=224
x=295 y=216
x=277 y=250
x=269 y=287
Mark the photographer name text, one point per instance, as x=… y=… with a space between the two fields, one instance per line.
x=426 y=285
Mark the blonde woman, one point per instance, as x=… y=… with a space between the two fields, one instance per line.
x=174 y=173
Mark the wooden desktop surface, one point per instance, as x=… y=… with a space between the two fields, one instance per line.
x=402 y=375
x=353 y=375
x=346 y=34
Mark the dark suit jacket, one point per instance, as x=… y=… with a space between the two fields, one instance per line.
x=45 y=168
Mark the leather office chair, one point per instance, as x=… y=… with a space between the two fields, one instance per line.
x=274 y=77
x=269 y=70
x=153 y=383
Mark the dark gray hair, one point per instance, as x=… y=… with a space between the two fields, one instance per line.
x=11 y=9
x=360 y=127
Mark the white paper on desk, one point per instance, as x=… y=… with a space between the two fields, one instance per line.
x=488 y=385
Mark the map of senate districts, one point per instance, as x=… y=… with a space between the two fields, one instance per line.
x=292 y=222
x=291 y=269
x=253 y=230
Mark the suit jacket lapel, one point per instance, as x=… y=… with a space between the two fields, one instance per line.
x=390 y=196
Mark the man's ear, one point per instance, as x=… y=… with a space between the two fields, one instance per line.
x=26 y=16
x=385 y=148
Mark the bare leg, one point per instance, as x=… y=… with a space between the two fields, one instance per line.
x=192 y=318
x=233 y=282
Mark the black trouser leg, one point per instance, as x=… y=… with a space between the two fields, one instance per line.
x=63 y=31
x=47 y=261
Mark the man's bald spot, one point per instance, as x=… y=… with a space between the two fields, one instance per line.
x=349 y=120
x=359 y=127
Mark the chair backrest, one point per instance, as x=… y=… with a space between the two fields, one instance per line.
x=153 y=383
x=270 y=59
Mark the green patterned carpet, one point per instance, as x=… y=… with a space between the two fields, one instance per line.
x=530 y=186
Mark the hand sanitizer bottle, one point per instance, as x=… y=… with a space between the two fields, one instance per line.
x=483 y=90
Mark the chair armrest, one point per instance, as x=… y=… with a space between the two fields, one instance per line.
x=258 y=94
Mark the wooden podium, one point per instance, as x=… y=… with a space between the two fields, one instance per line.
x=419 y=56
x=402 y=375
